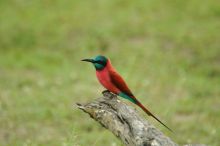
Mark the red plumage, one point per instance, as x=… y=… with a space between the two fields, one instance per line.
x=112 y=81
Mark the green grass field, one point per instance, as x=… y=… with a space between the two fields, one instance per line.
x=167 y=51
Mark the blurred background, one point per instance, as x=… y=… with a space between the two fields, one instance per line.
x=167 y=51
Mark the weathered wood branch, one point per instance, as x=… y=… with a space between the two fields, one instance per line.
x=125 y=123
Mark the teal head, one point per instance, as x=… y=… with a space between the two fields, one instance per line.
x=99 y=62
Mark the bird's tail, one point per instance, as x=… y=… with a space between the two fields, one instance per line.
x=150 y=114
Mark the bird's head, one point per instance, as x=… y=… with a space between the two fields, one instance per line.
x=99 y=62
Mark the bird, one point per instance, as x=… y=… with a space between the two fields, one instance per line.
x=113 y=82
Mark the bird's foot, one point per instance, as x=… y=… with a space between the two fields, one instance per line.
x=105 y=91
x=108 y=94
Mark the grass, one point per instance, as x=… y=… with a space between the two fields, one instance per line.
x=168 y=52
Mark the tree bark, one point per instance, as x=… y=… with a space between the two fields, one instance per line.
x=125 y=123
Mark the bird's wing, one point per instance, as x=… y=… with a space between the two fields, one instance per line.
x=119 y=82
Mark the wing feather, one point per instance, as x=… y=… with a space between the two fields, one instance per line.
x=119 y=82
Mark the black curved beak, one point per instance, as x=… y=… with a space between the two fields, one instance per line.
x=88 y=60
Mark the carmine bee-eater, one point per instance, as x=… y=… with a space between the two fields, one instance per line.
x=113 y=82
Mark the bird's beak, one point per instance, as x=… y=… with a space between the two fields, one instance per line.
x=88 y=60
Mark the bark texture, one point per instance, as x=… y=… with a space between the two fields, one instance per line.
x=125 y=123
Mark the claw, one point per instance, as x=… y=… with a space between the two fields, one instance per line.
x=105 y=91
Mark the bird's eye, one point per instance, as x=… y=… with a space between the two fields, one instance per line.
x=100 y=62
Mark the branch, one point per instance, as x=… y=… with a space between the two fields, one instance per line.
x=125 y=123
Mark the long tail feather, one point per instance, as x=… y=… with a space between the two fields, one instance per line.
x=150 y=114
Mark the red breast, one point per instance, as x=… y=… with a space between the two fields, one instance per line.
x=105 y=79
